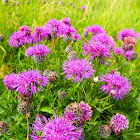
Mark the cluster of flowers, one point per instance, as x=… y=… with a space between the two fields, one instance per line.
x=118 y=124
x=53 y=29
x=63 y=127
x=100 y=45
x=128 y=36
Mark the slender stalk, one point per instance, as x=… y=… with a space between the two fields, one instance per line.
x=42 y=98
x=27 y=128
x=137 y=117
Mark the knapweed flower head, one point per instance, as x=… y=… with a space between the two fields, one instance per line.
x=66 y=21
x=84 y=7
x=58 y=128
x=37 y=50
x=30 y=81
x=10 y=81
x=95 y=48
x=95 y=29
x=119 y=123
x=119 y=51
x=104 y=39
x=78 y=69
x=127 y=33
x=128 y=54
x=68 y=30
x=116 y=85
x=86 y=111
x=27 y=30
x=76 y=36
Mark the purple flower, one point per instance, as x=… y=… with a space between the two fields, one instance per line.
x=29 y=81
x=37 y=50
x=128 y=54
x=78 y=69
x=127 y=33
x=95 y=48
x=119 y=51
x=95 y=29
x=118 y=123
x=10 y=81
x=66 y=21
x=76 y=36
x=116 y=85
x=86 y=112
x=83 y=7
x=39 y=33
x=105 y=39
x=58 y=128
x=25 y=29
x=68 y=30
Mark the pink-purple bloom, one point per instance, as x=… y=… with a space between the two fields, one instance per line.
x=66 y=21
x=95 y=48
x=86 y=112
x=83 y=7
x=119 y=123
x=95 y=29
x=10 y=81
x=78 y=69
x=128 y=54
x=37 y=50
x=119 y=51
x=116 y=85
x=127 y=33
x=30 y=81
x=105 y=39
x=58 y=128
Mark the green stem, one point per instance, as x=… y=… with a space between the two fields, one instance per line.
x=42 y=98
x=137 y=117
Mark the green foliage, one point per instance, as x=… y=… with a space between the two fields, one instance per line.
x=113 y=16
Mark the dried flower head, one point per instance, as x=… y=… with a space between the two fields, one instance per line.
x=133 y=56
x=127 y=33
x=53 y=76
x=4 y=127
x=2 y=38
x=24 y=107
x=68 y=49
x=119 y=84
x=24 y=97
x=104 y=131
x=73 y=112
x=62 y=95
x=107 y=63
x=85 y=33
x=78 y=69
x=119 y=123
x=58 y=128
x=72 y=55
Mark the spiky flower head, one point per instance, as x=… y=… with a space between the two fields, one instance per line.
x=104 y=131
x=62 y=95
x=85 y=33
x=29 y=82
x=95 y=29
x=11 y=81
x=119 y=51
x=4 y=127
x=86 y=111
x=72 y=55
x=24 y=97
x=95 y=48
x=57 y=129
x=128 y=54
x=78 y=69
x=84 y=8
x=119 y=123
x=66 y=21
x=24 y=107
x=37 y=50
x=127 y=33
x=114 y=82
x=25 y=29
x=108 y=41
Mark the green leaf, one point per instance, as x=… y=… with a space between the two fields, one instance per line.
x=47 y=109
